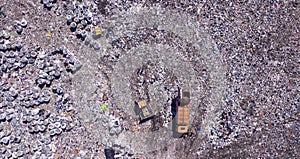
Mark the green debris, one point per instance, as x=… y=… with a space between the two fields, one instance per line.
x=103 y=107
x=2 y=12
x=96 y=32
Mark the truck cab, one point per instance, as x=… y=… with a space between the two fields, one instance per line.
x=184 y=97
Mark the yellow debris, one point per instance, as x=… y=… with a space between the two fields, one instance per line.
x=56 y=156
x=67 y=114
x=103 y=89
x=134 y=128
x=49 y=35
x=98 y=31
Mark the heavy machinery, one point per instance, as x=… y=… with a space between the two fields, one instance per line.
x=182 y=111
x=144 y=111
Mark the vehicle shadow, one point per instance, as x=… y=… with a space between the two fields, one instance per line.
x=174 y=118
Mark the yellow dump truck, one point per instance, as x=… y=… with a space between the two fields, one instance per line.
x=182 y=109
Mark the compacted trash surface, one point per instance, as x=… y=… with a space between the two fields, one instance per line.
x=72 y=72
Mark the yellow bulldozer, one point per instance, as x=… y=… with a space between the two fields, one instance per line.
x=144 y=111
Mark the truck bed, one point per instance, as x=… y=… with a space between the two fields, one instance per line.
x=183 y=115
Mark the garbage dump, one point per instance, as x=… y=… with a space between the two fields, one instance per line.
x=99 y=79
